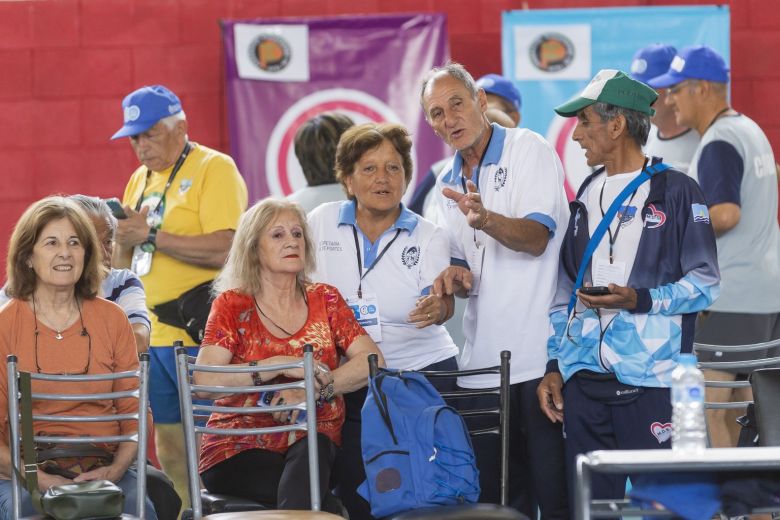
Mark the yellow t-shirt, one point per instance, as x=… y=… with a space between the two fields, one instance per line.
x=207 y=195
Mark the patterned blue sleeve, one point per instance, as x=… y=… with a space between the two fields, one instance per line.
x=558 y=317
x=700 y=284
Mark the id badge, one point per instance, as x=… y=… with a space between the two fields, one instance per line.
x=366 y=311
x=476 y=258
x=142 y=261
x=605 y=273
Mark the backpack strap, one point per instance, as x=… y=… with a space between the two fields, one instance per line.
x=646 y=174
x=375 y=385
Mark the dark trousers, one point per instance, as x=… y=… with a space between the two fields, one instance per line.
x=272 y=478
x=348 y=469
x=597 y=421
x=537 y=475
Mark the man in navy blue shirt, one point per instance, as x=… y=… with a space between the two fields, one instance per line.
x=735 y=168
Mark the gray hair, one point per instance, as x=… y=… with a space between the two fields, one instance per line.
x=97 y=207
x=637 y=123
x=455 y=70
x=170 y=121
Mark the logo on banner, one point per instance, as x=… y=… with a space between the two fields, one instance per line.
x=410 y=256
x=552 y=52
x=269 y=52
x=283 y=171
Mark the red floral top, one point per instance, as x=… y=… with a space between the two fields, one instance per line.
x=234 y=324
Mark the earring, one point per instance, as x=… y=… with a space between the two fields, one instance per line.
x=29 y=265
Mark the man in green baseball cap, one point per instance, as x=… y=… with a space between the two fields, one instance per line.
x=622 y=315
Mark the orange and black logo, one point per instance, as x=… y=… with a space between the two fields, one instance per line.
x=552 y=52
x=270 y=53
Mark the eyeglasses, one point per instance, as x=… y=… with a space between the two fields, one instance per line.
x=677 y=88
x=86 y=367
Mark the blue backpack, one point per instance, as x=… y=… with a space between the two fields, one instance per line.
x=416 y=450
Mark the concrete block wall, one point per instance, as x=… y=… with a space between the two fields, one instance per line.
x=66 y=64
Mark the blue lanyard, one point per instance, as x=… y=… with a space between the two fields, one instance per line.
x=595 y=239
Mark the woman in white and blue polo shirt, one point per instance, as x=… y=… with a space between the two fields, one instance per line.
x=383 y=259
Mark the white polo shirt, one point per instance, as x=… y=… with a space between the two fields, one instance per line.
x=403 y=273
x=520 y=177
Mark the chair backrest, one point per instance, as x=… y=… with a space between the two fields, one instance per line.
x=191 y=412
x=747 y=365
x=140 y=393
x=500 y=411
x=766 y=394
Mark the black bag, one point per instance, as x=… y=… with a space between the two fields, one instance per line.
x=605 y=388
x=190 y=311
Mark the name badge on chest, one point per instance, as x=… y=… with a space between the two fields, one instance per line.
x=475 y=260
x=366 y=311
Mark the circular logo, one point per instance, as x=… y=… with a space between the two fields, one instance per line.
x=639 y=66
x=132 y=113
x=410 y=256
x=269 y=52
x=552 y=52
x=575 y=166
x=283 y=171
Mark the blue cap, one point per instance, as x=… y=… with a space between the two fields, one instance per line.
x=695 y=62
x=500 y=86
x=145 y=107
x=652 y=61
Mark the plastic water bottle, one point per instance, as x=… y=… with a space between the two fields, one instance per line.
x=689 y=431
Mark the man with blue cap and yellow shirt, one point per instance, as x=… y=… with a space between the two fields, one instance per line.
x=624 y=313
x=182 y=206
x=735 y=168
x=673 y=143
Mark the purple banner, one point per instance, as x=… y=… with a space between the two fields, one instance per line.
x=281 y=72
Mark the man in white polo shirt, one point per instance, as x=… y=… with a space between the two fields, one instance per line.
x=501 y=199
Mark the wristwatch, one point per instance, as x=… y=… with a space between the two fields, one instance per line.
x=257 y=379
x=150 y=246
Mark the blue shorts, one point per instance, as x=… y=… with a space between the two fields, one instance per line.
x=163 y=385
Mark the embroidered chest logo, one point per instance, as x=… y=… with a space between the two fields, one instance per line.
x=626 y=215
x=185 y=185
x=499 y=179
x=410 y=256
x=654 y=218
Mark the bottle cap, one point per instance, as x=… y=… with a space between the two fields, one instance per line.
x=687 y=359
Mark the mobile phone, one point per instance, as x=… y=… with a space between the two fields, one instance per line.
x=265 y=400
x=116 y=208
x=595 y=290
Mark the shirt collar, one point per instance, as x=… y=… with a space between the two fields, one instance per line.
x=407 y=220
x=495 y=149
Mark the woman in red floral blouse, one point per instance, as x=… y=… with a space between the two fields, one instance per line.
x=265 y=313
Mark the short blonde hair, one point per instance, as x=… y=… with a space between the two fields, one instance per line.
x=21 y=279
x=243 y=265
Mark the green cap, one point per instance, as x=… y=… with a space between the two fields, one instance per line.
x=613 y=87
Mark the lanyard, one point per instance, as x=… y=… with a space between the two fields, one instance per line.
x=613 y=239
x=360 y=263
x=174 y=171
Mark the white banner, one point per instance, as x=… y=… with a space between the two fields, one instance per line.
x=552 y=52
x=272 y=52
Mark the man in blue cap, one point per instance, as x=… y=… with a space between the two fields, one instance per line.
x=674 y=143
x=502 y=95
x=735 y=168
x=182 y=206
